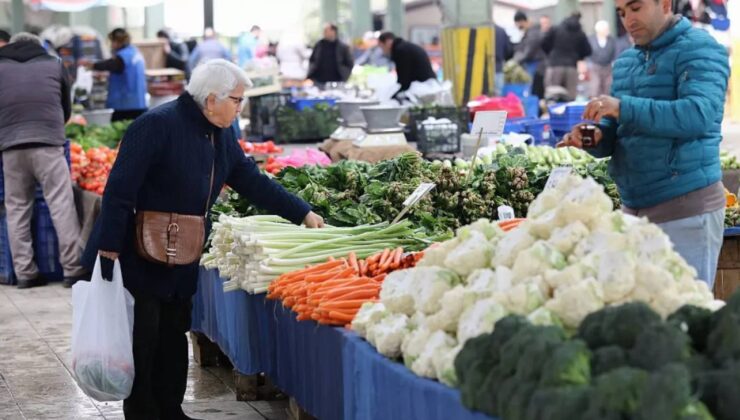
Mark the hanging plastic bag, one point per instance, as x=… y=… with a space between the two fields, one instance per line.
x=102 y=336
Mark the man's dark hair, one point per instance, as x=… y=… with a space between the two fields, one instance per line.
x=333 y=27
x=163 y=34
x=255 y=28
x=520 y=16
x=4 y=36
x=385 y=36
x=120 y=35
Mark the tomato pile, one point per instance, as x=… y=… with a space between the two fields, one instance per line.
x=90 y=169
x=274 y=166
x=266 y=148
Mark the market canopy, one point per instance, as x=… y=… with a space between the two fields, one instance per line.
x=80 y=5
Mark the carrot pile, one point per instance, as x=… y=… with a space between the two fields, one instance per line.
x=507 y=225
x=332 y=293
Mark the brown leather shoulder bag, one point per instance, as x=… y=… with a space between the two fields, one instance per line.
x=171 y=238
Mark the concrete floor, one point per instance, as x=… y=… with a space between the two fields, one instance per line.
x=35 y=380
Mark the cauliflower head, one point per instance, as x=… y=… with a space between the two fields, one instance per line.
x=435 y=255
x=543 y=316
x=431 y=284
x=479 y=319
x=509 y=247
x=388 y=334
x=413 y=345
x=453 y=302
x=473 y=252
x=444 y=366
x=615 y=270
x=536 y=260
x=565 y=239
x=524 y=298
x=370 y=313
x=572 y=304
x=438 y=344
x=399 y=291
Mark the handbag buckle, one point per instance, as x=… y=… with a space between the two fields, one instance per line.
x=175 y=226
x=171 y=252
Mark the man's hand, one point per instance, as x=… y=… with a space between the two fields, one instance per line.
x=86 y=64
x=573 y=139
x=313 y=221
x=603 y=106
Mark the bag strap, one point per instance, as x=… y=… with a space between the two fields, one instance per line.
x=213 y=169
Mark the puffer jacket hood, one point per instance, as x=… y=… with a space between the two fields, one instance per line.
x=22 y=51
x=572 y=24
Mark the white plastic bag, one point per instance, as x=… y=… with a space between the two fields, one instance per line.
x=102 y=336
x=84 y=80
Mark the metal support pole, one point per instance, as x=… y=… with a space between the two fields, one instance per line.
x=564 y=9
x=362 y=18
x=208 y=14
x=153 y=19
x=19 y=16
x=394 y=18
x=610 y=16
x=329 y=11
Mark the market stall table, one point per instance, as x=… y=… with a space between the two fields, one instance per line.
x=346 y=150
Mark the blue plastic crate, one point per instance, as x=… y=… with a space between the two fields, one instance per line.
x=531 y=106
x=539 y=130
x=45 y=243
x=300 y=104
x=516 y=125
x=7 y=274
x=569 y=115
x=520 y=90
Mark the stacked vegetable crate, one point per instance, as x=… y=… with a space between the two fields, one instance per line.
x=438 y=137
x=457 y=115
x=263 y=115
x=564 y=116
x=306 y=120
x=728 y=268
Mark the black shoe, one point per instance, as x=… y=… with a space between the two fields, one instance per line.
x=27 y=284
x=70 y=281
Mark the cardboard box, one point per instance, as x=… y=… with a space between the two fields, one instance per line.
x=153 y=52
x=727 y=280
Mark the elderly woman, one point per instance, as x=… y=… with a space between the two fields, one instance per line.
x=172 y=163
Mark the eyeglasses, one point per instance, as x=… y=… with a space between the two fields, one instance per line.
x=237 y=100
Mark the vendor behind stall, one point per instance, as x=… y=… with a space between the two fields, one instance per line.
x=412 y=62
x=127 y=81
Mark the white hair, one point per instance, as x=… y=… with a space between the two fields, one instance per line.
x=216 y=77
x=26 y=37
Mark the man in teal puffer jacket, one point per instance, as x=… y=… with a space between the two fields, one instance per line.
x=662 y=129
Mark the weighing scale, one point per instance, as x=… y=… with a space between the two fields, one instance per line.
x=352 y=122
x=382 y=137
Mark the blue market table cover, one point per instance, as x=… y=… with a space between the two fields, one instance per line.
x=331 y=372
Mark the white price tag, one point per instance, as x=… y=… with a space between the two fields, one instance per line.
x=419 y=193
x=489 y=123
x=414 y=198
x=505 y=213
x=557 y=175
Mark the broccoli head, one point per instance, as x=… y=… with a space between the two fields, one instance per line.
x=617 y=393
x=659 y=345
x=569 y=364
x=719 y=391
x=566 y=402
x=723 y=343
x=617 y=325
x=536 y=348
x=607 y=358
x=696 y=322
x=513 y=398
x=666 y=394
x=472 y=365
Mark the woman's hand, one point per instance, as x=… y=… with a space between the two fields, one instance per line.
x=313 y=221
x=107 y=260
x=602 y=107
x=573 y=139
x=110 y=255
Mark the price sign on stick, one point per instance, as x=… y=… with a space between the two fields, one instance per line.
x=419 y=193
x=488 y=124
x=557 y=175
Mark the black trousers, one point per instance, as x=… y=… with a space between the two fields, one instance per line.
x=160 y=358
x=126 y=115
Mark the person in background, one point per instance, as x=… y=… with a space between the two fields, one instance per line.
x=373 y=55
x=175 y=159
x=176 y=52
x=127 y=81
x=209 y=49
x=34 y=107
x=4 y=38
x=529 y=54
x=565 y=45
x=545 y=24
x=331 y=59
x=412 y=62
x=604 y=52
x=662 y=129
x=247 y=45
x=293 y=55
x=504 y=52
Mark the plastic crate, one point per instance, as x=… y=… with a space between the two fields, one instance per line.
x=539 y=130
x=45 y=243
x=7 y=274
x=516 y=125
x=438 y=138
x=564 y=116
x=262 y=115
x=531 y=106
x=457 y=115
x=299 y=104
x=520 y=90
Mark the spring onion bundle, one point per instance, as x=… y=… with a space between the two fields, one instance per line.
x=253 y=251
